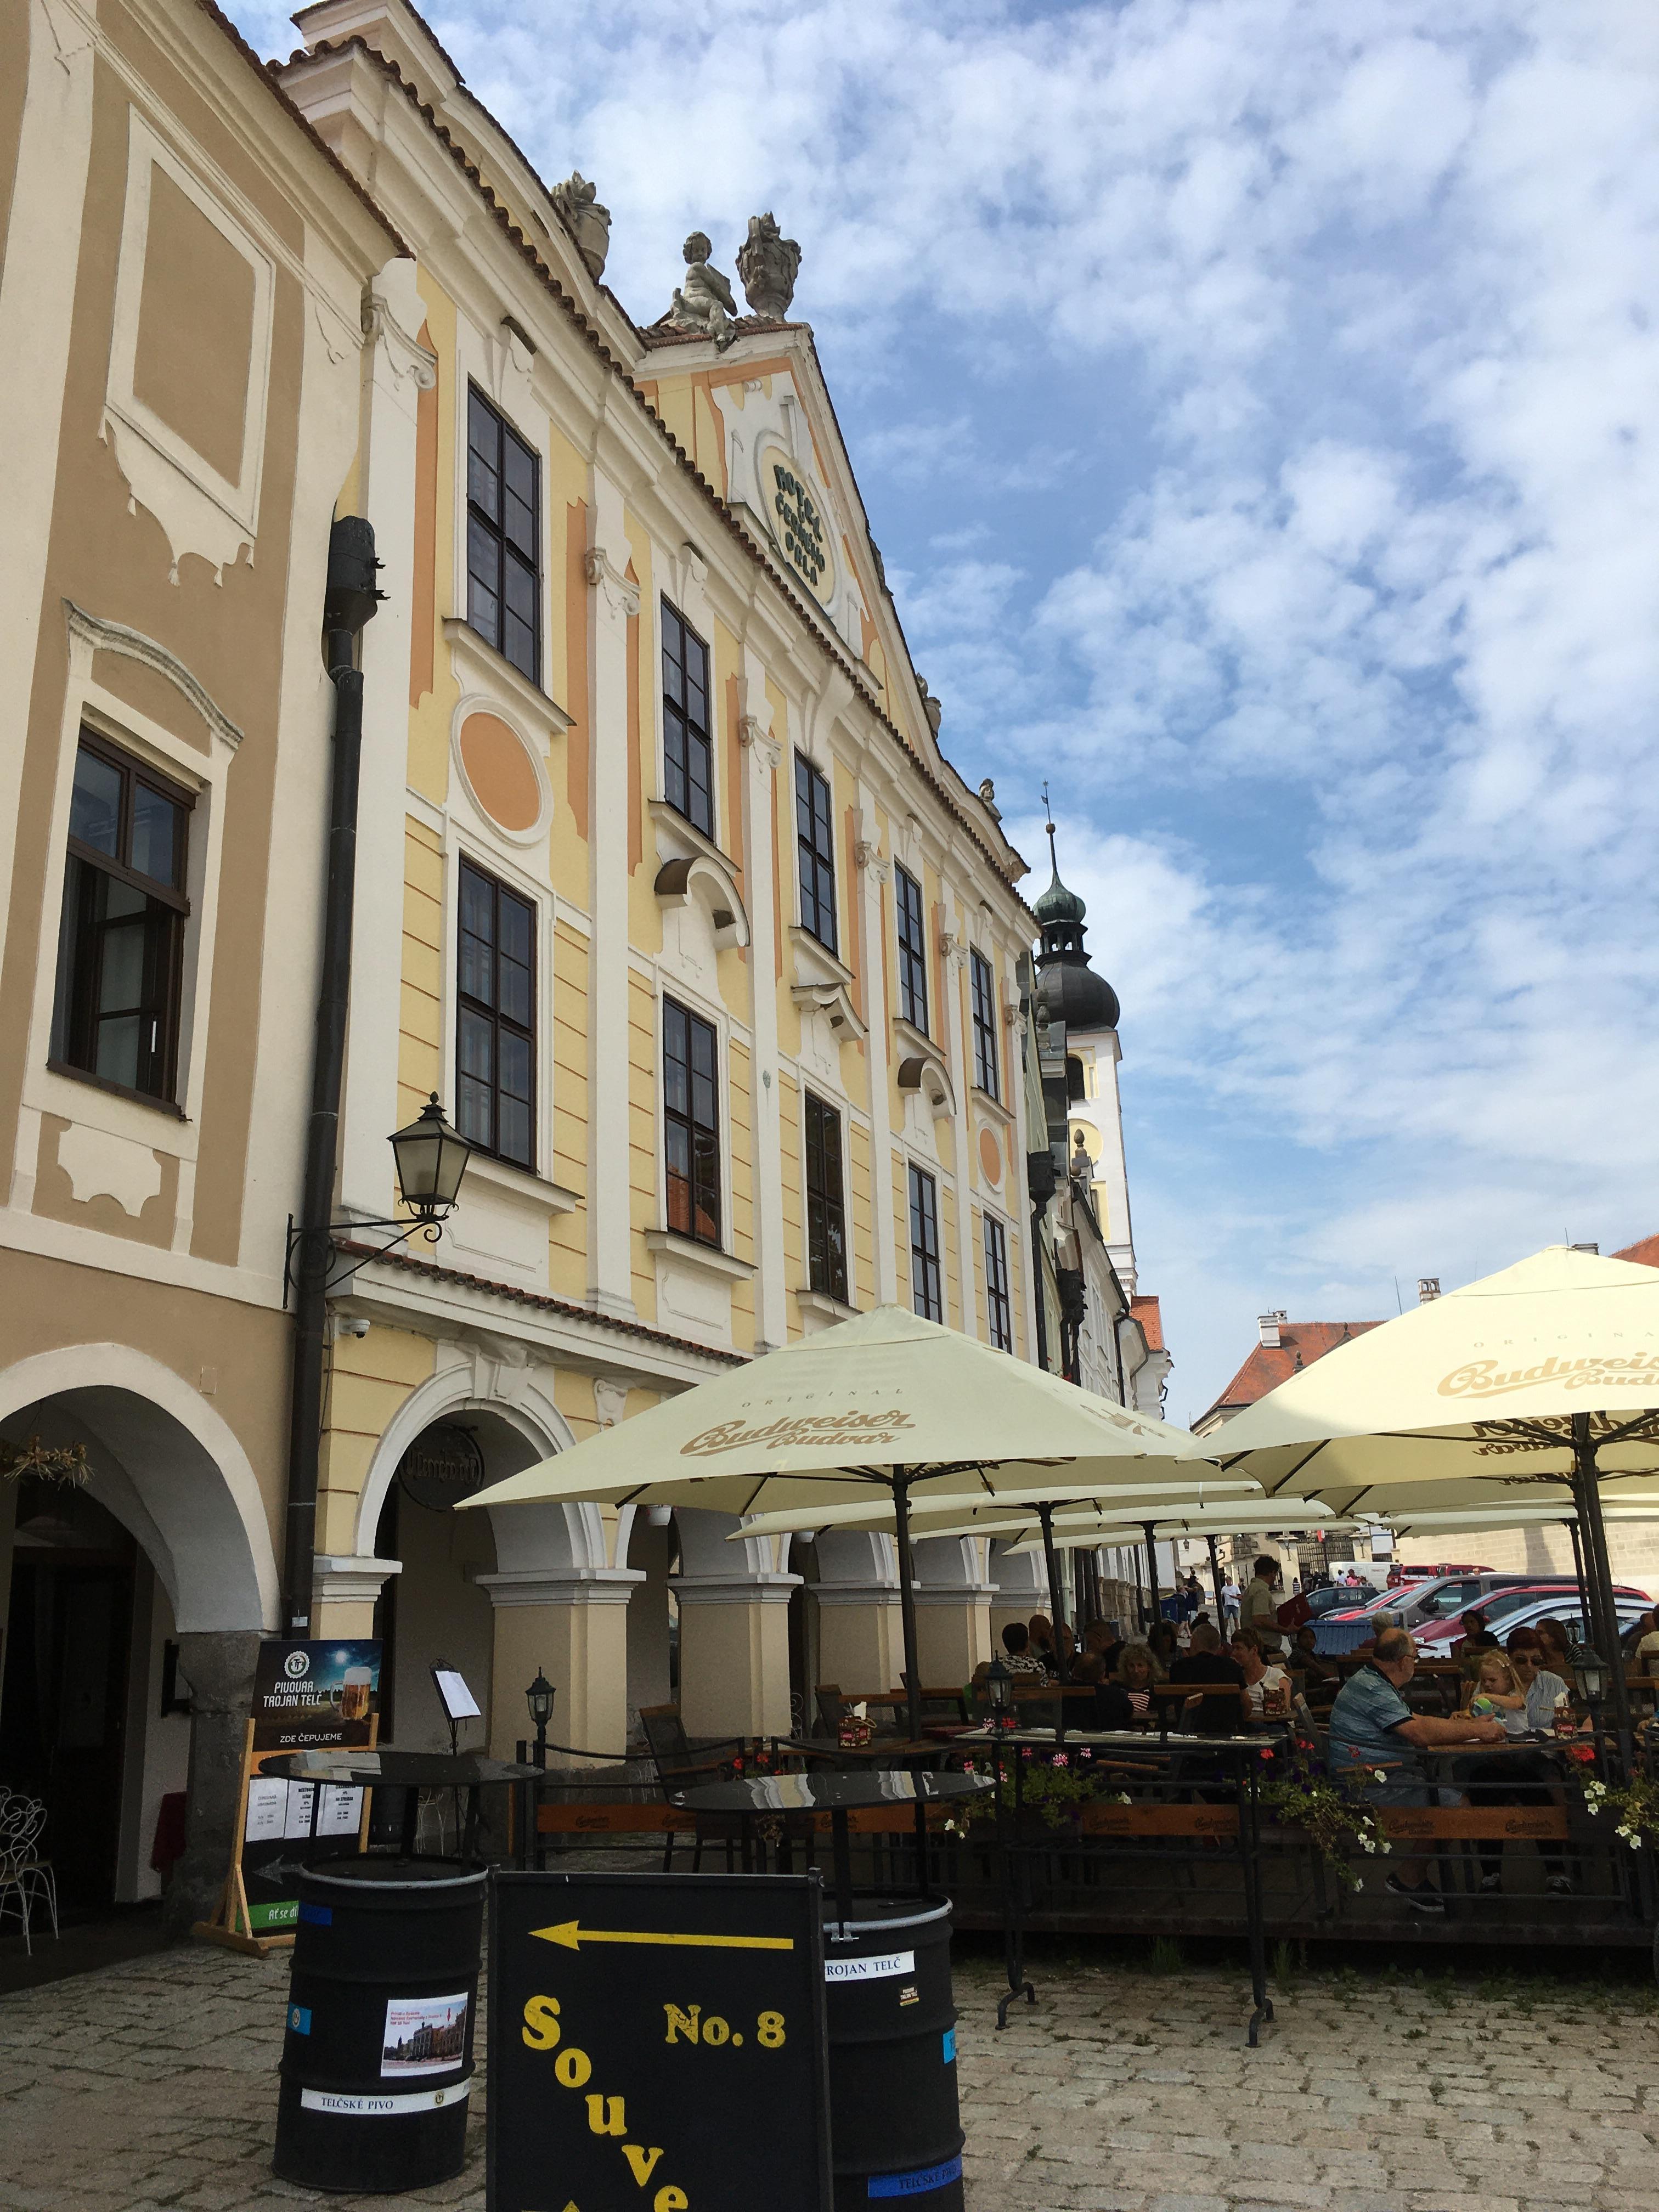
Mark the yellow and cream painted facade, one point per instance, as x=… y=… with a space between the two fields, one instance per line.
x=677 y=480
x=181 y=345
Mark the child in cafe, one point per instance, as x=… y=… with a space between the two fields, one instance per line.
x=1500 y=1693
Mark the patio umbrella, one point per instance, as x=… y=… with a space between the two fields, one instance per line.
x=1543 y=1378
x=887 y=1401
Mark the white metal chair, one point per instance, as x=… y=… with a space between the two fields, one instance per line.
x=24 y=1876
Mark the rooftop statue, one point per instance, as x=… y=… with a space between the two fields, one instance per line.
x=704 y=302
x=769 y=264
x=588 y=224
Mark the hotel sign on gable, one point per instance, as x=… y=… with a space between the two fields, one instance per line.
x=795 y=513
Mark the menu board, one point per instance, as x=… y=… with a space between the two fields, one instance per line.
x=646 y=2032
x=307 y=1697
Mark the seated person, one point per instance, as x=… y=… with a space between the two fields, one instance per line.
x=1498 y=1693
x=1374 y=1730
x=1018 y=1657
x=1218 y=1714
x=1546 y=1693
x=1476 y=1636
x=1137 y=1671
x=1102 y=1638
x=1164 y=1643
x=1266 y=1694
x=1111 y=1708
x=1318 y=1672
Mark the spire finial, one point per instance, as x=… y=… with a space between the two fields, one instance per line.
x=1049 y=824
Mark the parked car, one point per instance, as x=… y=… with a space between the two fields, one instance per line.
x=1416 y=1604
x=1570 y=1613
x=1398 y=1574
x=1502 y=1609
x=1339 y=1597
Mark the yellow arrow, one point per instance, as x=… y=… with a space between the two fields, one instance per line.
x=571 y=1936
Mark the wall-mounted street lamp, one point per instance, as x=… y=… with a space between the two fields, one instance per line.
x=431 y=1159
x=539 y=1697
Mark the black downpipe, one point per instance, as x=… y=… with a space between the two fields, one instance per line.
x=351 y=601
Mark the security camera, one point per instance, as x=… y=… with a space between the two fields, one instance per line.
x=351 y=1325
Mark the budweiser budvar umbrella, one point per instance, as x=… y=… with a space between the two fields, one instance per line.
x=1535 y=1385
x=886 y=1402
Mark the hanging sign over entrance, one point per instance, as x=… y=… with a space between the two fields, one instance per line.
x=646 y=2033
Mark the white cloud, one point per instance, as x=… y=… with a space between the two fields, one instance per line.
x=1347 y=685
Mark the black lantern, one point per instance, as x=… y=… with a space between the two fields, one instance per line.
x=540 y=1698
x=999 y=1688
x=431 y=1160
x=1590 y=1673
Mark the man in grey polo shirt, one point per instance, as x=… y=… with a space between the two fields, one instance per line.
x=1374 y=1732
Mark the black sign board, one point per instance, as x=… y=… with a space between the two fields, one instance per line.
x=307 y=1697
x=657 y=2043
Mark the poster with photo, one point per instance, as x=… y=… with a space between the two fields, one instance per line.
x=307 y=1697
x=423 y=2035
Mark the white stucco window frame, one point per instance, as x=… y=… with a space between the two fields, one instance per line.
x=718 y=1258
x=503 y=368
x=168 y=1126
x=461 y=842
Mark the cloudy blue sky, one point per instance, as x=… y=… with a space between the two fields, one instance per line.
x=1255 y=402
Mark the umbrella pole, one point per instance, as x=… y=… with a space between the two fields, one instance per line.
x=1151 y=1574
x=1571 y=1527
x=1592 y=1530
x=906 y=1598
x=1215 y=1584
x=1046 y=1516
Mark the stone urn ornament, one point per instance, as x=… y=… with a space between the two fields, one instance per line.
x=769 y=264
x=587 y=222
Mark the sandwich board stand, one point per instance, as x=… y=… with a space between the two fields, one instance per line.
x=657 y=2043
x=307 y=1697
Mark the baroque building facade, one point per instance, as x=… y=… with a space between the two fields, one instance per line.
x=663 y=884
x=666 y=887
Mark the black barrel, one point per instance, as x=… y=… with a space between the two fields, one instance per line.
x=378 y=2059
x=893 y=2117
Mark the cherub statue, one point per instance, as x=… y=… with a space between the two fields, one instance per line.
x=704 y=301
x=587 y=222
x=769 y=264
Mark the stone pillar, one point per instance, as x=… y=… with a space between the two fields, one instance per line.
x=573 y=1627
x=1019 y=1588
x=218 y=1664
x=953 y=1609
x=761 y=754
x=614 y=598
x=343 y=1592
x=398 y=369
x=860 y=1634
x=875 y=875
x=734 y=1653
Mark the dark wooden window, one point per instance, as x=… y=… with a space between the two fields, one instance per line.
x=926 y=1294
x=815 y=848
x=998 y=1309
x=826 y=1204
x=913 y=951
x=495 y=1034
x=503 y=537
x=691 y=1122
x=983 y=991
x=121 y=948
x=688 y=754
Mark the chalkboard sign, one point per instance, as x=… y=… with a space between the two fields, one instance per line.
x=657 y=2043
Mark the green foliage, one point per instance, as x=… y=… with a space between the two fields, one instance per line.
x=1336 y=1821
x=1167 y=1956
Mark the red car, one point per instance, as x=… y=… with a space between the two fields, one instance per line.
x=1435 y=1637
x=1399 y=1575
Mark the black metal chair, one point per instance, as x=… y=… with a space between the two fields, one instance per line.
x=681 y=1765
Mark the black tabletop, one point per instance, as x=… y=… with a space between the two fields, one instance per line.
x=399 y=1769
x=830 y=1793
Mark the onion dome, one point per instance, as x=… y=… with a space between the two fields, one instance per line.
x=1068 y=989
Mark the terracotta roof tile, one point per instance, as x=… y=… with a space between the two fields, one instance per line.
x=1300 y=1343
x=1150 y=1315
x=1645 y=1252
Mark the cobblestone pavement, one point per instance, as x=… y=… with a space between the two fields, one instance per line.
x=151 y=2085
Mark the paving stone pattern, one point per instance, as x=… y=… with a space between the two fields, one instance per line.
x=151 y=2085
